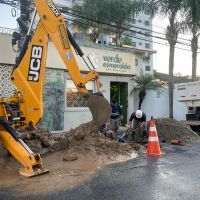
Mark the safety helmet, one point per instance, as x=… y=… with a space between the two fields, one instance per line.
x=138 y=113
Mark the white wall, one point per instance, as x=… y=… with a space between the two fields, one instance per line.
x=158 y=105
x=7 y=55
x=75 y=117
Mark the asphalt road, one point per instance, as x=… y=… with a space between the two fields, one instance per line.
x=173 y=176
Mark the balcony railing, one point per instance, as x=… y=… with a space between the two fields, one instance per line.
x=4 y=30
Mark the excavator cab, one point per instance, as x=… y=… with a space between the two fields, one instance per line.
x=25 y=107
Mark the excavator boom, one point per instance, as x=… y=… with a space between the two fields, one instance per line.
x=25 y=108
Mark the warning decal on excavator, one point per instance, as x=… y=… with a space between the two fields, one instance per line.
x=68 y=56
x=63 y=36
x=35 y=63
x=55 y=11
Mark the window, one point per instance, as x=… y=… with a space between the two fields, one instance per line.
x=147 y=45
x=147 y=11
x=147 y=34
x=140 y=43
x=133 y=21
x=113 y=40
x=147 y=23
x=147 y=68
x=140 y=33
x=136 y=62
x=158 y=94
x=73 y=97
x=140 y=21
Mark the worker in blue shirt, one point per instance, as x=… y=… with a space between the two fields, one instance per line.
x=115 y=117
x=138 y=119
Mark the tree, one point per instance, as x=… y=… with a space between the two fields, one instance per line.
x=171 y=9
x=192 y=24
x=89 y=17
x=146 y=82
x=103 y=16
x=120 y=12
x=127 y=41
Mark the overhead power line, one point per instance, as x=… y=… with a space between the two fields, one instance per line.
x=85 y=15
x=138 y=17
x=126 y=27
x=114 y=26
x=16 y=4
x=125 y=34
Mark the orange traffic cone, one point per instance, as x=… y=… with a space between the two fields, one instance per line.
x=153 y=146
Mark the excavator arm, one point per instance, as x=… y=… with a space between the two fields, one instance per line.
x=25 y=108
x=29 y=74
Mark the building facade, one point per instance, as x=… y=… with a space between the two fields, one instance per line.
x=64 y=108
x=139 y=30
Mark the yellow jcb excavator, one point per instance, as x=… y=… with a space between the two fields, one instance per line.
x=25 y=108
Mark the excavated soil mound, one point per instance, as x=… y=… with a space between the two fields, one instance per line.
x=72 y=158
x=79 y=140
x=169 y=129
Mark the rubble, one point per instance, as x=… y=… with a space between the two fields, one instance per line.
x=78 y=140
x=169 y=129
x=81 y=140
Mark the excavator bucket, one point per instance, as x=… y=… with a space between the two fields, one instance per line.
x=32 y=163
x=33 y=171
x=100 y=109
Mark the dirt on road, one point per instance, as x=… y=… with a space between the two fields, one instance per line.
x=74 y=156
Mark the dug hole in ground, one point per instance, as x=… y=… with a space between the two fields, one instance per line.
x=73 y=157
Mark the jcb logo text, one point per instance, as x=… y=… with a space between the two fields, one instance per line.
x=35 y=63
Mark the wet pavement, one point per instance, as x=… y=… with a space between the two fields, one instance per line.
x=172 y=176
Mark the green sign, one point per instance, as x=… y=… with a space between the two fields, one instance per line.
x=115 y=62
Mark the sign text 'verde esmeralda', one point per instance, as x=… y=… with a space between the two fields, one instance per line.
x=115 y=62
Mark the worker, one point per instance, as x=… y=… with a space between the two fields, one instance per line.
x=115 y=117
x=138 y=119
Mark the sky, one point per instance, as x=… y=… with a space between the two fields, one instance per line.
x=183 y=58
x=6 y=19
x=183 y=54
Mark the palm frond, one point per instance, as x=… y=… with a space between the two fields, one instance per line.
x=147 y=81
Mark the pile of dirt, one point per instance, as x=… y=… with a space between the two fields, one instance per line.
x=37 y=138
x=74 y=156
x=76 y=141
x=71 y=157
x=81 y=141
x=169 y=129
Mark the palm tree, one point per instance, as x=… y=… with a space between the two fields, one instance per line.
x=120 y=12
x=144 y=82
x=88 y=17
x=169 y=8
x=192 y=23
x=103 y=16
